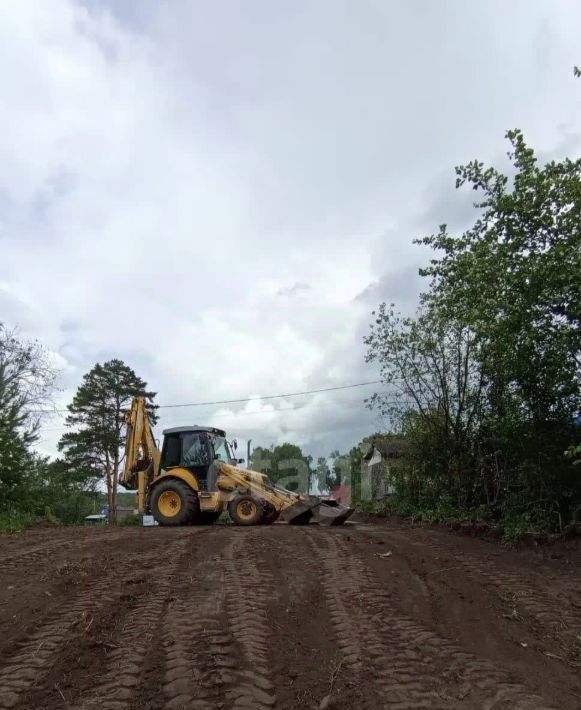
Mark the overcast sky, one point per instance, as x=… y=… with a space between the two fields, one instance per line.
x=219 y=193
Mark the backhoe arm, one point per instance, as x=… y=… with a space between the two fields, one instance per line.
x=142 y=455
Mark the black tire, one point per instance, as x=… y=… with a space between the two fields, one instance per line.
x=206 y=518
x=175 y=495
x=246 y=510
x=270 y=514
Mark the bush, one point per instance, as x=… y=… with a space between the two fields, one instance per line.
x=12 y=521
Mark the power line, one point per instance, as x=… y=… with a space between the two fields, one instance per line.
x=303 y=405
x=269 y=396
x=345 y=404
x=243 y=400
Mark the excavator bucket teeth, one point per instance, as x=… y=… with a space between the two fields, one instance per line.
x=332 y=513
x=301 y=512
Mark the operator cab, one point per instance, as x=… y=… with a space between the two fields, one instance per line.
x=196 y=449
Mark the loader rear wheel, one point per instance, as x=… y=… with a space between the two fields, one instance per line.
x=246 y=510
x=174 y=503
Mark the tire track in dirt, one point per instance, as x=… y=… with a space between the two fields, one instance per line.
x=199 y=655
x=44 y=551
x=117 y=685
x=35 y=657
x=558 y=615
x=34 y=590
x=358 y=634
x=249 y=586
x=413 y=666
x=306 y=661
x=339 y=590
x=39 y=652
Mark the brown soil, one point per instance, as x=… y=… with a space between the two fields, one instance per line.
x=367 y=615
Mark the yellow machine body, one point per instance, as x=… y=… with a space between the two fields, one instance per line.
x=176 y=495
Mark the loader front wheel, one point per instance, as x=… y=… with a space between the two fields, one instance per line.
x=246 y=510
x=174 y=503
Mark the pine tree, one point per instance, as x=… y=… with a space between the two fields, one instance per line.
x=97 y=413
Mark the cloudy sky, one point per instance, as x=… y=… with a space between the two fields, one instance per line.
x=220 y=193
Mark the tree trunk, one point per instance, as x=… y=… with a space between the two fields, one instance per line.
x=115 y=484
x=109 y=494
x=111 y=497
x=116 y=457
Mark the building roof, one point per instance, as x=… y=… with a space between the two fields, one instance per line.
x=389 y=449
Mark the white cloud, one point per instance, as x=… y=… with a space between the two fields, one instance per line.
x=220 y=193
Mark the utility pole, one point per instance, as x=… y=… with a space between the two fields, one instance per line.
x=248 y=453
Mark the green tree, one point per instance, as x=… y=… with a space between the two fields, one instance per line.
x=27 y=381
x=322 y=473
x=284 y=463
x=15 y=438
x=340 y=474
x=330 y=476
x=513 y=278
x=431 y=369
x=260 y=460
x=484 y=383
x=97 y=414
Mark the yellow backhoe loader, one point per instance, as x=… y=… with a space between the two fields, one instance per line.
x=195 y=478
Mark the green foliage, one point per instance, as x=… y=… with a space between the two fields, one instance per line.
x=97 y=416
x=124 y=499
x=26 y=383
x=339 y=474
x=285 y=464
x=49 y=491
x=13 y=520
x=328 y=477
x=322 y=474
x=32 y=488
x=484 y=383
x=514 y=280
x=68 y=493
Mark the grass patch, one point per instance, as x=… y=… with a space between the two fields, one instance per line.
x=513 y=521
x=14 y=522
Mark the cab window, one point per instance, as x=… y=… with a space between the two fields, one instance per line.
x=221 y=450
x=171 y=451
x=195 y=449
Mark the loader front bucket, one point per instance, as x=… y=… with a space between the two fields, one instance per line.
x=332 y=513
x=301 y=512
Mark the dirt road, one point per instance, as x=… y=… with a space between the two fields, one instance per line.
x=363 y=616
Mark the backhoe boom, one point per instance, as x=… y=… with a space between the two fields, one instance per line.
x=142 y=455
